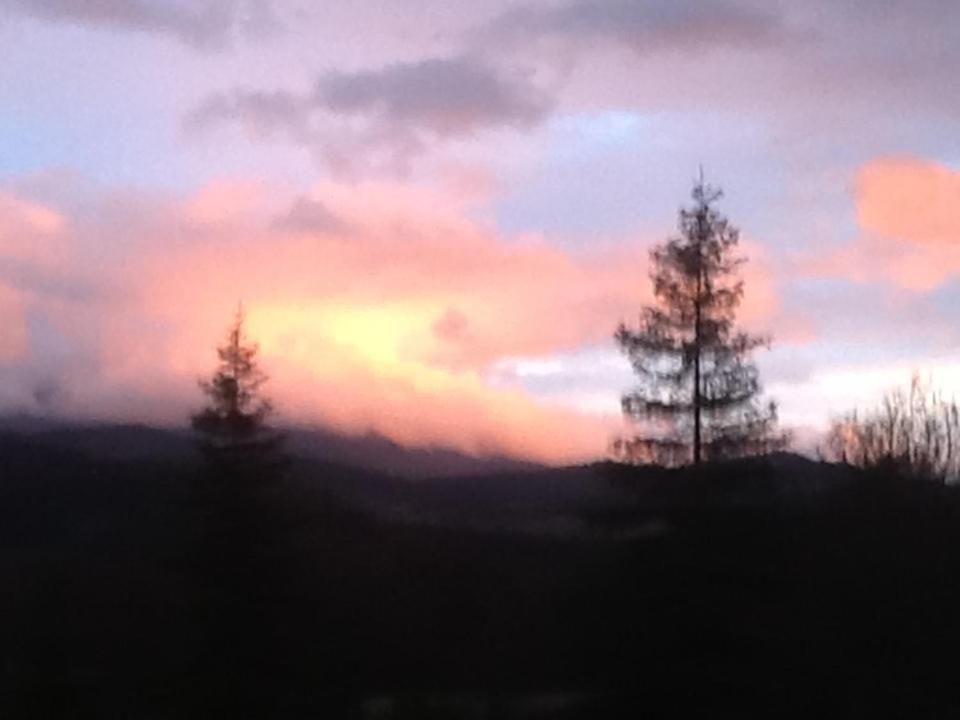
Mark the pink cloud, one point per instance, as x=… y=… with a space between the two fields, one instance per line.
x=223 y=200
x=13 y=326
x=30 y=233
x=33 y=247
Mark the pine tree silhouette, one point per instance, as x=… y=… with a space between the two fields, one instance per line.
x=235 y=439
x=698 y=389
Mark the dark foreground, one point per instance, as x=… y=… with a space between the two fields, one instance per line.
x=130 y=589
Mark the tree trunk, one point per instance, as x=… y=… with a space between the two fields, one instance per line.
x=696 y=408
x=696 y=343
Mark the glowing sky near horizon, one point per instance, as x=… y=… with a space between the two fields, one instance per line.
x=436 y=212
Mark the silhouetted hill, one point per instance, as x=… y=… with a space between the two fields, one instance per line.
x=508 y=497
x=375 y=452
x=588 y=499
x=134 y=587
x=370 y=451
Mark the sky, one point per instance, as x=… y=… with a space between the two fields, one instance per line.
x=436 y=212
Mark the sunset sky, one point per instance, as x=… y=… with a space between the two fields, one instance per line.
x=436 y=212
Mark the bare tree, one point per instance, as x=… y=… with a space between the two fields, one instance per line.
x=698 y=392
x=914 y=432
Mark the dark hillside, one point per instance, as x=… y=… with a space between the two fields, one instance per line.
x=130 y=588
x=370 y=451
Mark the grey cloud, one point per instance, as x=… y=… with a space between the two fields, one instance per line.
x=448 y=97
x=777 y=53
x=310 y=216
x=641 y=25
x=262 y=112
x=61 y=285
x=394 y=111
x=201 y=23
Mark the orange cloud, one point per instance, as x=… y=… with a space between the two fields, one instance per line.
x=911 y=200
x=390 y=323
x=907 y=210
x=404 y=264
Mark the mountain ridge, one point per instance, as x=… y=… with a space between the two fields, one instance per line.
x=370 y=451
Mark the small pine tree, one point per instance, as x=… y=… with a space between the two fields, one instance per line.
x=698 y=389
x=235 y=439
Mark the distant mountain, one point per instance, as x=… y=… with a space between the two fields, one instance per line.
x=442 y=488
x=112 y=441
x=449 y=489
x=369 y=452
x=378 y=453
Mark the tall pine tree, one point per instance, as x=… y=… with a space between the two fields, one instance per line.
x=235 y=439
x=698 y=391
